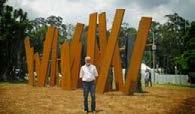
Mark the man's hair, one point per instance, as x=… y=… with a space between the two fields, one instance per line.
x=87 y=58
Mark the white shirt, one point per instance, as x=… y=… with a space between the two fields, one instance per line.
x=88 y=73
x=147 y=75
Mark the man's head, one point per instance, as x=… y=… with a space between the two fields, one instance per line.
x=87 y=60
x=147 y=70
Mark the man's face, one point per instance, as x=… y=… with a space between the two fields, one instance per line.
x=88 y=61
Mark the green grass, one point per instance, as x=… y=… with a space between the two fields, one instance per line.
x=175 y=85
x=16 y=82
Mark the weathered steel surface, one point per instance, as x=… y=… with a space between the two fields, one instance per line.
x=75 y=41
x=102 y=31
x=75 y=55
x=91 y=36
x=30 y=60
x=96 y=55
x=37 y=64
x=116 y=60
x=65 y=65
x=76 y=67
x=54 y=62
x=102 y=38
x=106 y=60
x=31 y=64
x=46 y=56
x=62 y=66
x=137 y=53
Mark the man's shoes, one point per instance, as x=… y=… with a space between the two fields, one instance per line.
x=94 y=112
x=85 y=112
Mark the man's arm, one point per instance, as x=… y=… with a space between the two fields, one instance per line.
x=95 y=72
x=81 y=72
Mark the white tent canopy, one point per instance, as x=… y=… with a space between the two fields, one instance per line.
x=144 y=67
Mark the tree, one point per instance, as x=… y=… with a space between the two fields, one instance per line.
x=155 y=34
x=169 y=39
x=39 y=28
x=37 y=33
x=125 y=34
x=186 y=60
x=172 y=43
x=13 y=26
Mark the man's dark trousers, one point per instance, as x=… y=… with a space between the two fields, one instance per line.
x=89 y=87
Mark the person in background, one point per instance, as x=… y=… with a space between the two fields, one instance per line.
x=150 y=79
x=88 y=73
x=146 y=77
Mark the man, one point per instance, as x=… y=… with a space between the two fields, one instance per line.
x=88 y=73
x=150 y=78
x=146 y=77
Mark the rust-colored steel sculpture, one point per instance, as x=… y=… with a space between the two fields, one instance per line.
x=76 y=67
x=104 y=53
x=106 y=60
x=75 y=55
x=91 y=36
x=102 y=38
x=54 y=61
x=65 y=65
x=102 y=31
x=37 y=64
x=75 y=41
x=30 y=60
x=46 y=56
x=116 y=60
x=137 y=53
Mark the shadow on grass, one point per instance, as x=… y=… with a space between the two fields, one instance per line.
x=186 y=107
x=13 y=82
x=97 y=111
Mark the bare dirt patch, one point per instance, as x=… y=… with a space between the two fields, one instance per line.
x=21 y=98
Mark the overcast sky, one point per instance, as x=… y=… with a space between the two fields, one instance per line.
x=73 y=11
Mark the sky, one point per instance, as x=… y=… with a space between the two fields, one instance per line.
x=73 y=11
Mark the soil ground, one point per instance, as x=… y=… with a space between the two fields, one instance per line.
x=160 y=99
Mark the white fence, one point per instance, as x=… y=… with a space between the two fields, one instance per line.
x=164 y=78
x=168 y=79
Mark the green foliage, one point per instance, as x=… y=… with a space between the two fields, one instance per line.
x=13 y=26
x=181 y=61
x=126 y=32
x=189 y=52
x=169 y=39
x=39 y=27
